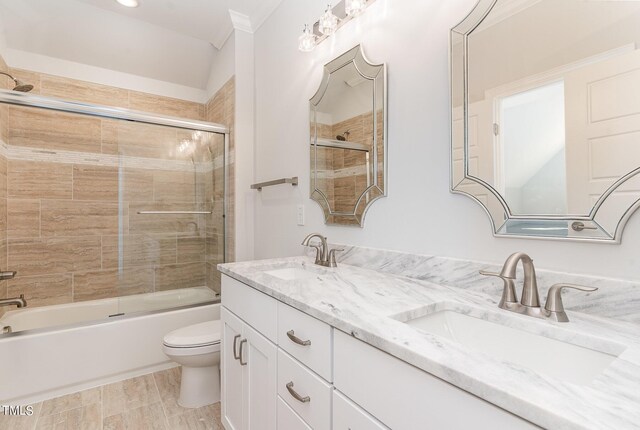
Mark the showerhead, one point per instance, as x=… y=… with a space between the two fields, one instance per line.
x=344 y=136
x=20 y=86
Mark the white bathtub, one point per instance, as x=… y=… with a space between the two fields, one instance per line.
x=43 y=363
x=96 y=310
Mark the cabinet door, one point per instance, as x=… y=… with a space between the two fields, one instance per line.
x=347 y=415
x=259 y=380
x=231 y=371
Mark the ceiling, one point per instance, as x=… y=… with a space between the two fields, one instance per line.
x=168 y=40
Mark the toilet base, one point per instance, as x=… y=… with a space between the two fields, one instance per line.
x=200 y=386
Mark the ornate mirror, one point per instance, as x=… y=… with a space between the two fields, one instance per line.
x=545 y=99
x=348 y=138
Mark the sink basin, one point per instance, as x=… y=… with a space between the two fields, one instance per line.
x=291 y=274
x=561 y=360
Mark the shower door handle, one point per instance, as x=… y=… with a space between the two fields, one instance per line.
x=240 y=353
x=235 y=342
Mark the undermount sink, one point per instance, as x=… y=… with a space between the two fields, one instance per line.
x=555 y=358
x=291 y=274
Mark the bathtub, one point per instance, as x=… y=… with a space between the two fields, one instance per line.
x=60 y=349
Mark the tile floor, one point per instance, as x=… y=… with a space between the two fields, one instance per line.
x=141 y=403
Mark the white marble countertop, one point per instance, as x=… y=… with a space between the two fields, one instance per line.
x=368 y=304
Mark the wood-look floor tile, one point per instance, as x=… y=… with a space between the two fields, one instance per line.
x=20 y=422
x=129 y=394
x=168 y=383
x=71 y=401
x=148 y=417
x=204 y=418
x=87 y=417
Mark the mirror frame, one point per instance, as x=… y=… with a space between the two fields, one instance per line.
x=503 y=222
x=376 y=73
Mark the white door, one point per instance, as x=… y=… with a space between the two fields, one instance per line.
x=259 y=380
x=603 y=133
x=231 y=371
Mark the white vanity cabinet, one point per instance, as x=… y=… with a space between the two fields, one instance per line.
x=283 y=369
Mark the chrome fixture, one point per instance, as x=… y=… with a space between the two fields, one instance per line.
x=331 y=20
x=530 y=303
x=344 y=136
x=324 y=256
x=7 y=274
x=20 y=86
x=18 y=301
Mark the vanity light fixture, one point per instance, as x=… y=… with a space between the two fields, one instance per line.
x=129 y=3
x=354 y=7
x=307 y=40
x=328 y=23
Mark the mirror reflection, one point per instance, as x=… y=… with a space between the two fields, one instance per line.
x=546 y=134
x=347 y=138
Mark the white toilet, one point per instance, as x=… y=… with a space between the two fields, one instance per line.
x=197 y=349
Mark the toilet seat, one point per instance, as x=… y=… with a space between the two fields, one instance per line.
x=206 y=334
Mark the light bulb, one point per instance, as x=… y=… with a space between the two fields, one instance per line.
x=307 y=40
x=328 y=23
x=354 y=7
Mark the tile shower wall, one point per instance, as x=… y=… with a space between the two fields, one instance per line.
x=345 y=170
x=71 y=188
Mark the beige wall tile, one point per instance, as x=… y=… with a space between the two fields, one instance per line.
x=138 y=185
x=145 y=224
x=27 y=77
x=214 y=280
x=175 y=276
x=139 y=250
x=49 y=130
x=4 y=166
x=66 y=88
x=36 y=180
x=53 y=255
x=165 y=105
x=102 y=284
x=138 y=140
x=23 y=218
x=171 y=187
x=42 y=290
x=95 y=183
x=191 y=249
x=78 y=218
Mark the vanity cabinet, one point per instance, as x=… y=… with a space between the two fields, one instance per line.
x=249 y=366
x=284 y=369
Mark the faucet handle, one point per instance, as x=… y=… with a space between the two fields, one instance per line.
x=318 y=253
x=332 y=257
x=508 y=288
x=554 y=305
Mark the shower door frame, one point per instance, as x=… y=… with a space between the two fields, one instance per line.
x=69 y=106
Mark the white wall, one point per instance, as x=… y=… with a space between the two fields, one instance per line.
x=420 y=214
x=223 y=66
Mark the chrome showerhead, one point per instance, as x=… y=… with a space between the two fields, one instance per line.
x=19 y=85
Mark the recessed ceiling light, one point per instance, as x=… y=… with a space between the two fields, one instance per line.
x=128 y=3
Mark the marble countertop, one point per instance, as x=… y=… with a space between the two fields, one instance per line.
x=370 y=305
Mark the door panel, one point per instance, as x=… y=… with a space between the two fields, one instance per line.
x=231 y=371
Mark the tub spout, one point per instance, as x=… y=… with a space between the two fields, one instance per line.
x=21 y=302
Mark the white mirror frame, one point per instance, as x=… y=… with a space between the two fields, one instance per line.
x=375 y=73
x=503 y=222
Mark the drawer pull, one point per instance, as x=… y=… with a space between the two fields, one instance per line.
x=297 y=340
x=295 y=395
x=240 y=354
x=235 y=341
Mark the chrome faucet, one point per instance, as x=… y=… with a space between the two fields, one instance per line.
x=21 y=302
x=324 y=256
x=530 y=303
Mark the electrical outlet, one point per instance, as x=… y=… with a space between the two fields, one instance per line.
x=300 y=214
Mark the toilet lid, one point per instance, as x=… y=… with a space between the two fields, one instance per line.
x=206 y=333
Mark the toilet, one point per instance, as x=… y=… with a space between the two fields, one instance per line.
x=197 y=349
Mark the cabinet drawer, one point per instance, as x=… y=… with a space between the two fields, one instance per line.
x=305 y=338
x=405 y=397
x=347 y=415
x=255 y=308
x=288 y=419
x=314 y=402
